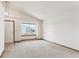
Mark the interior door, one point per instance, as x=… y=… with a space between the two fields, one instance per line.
x=9 y=37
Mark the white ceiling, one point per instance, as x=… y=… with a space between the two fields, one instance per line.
x=45 y=9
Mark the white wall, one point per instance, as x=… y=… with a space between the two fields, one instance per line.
x=18 y=29
x=20 y=17
x=1 y=28
x=63 y=27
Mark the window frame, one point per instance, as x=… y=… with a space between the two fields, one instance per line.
x=29 y=27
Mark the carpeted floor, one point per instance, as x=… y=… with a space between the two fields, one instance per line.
x=38 y=49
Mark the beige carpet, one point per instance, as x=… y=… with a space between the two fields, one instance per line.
x=39 y=49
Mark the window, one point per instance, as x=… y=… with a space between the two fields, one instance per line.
x=28 y=29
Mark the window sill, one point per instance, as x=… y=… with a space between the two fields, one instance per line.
x=29 y=35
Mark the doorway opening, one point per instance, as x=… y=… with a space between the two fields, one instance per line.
x=9 y=31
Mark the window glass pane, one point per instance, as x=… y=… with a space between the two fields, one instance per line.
x=28 y=28
x=32 y=28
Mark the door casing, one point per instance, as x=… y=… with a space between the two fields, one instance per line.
x=13 y=29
